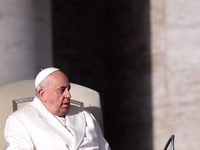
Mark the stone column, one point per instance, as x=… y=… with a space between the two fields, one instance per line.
x=25 y=38
x=175 y=28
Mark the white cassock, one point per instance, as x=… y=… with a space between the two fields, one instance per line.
x=34 y=128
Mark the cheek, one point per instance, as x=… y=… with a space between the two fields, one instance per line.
x=55 y=101
x=52 y=101
x=58 y=101
x=53 y=106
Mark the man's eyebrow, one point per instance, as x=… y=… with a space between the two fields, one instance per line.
x=69 y=87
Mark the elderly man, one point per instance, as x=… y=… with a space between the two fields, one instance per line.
x=50 y=123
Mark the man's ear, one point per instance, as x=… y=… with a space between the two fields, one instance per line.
x=42 y=95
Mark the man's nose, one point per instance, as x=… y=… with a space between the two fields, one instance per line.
x=67 y=94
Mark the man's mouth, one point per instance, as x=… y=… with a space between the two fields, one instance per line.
x=66 y=104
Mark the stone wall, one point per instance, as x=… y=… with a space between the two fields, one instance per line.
x=175 y=72
x=25 y=33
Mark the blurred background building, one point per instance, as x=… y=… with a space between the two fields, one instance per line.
x=141 y=55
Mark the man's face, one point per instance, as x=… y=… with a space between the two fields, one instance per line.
x=56 y=96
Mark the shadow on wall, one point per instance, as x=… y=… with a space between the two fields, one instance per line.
x=128 y=115
x=118 y=66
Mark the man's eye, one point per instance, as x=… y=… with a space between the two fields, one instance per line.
x=60 y=91
x=69 y=87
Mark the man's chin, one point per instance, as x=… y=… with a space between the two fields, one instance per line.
x=65 y=110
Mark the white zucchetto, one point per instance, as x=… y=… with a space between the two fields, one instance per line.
x=43 y=74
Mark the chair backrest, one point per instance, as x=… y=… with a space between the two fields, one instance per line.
x=15 y=95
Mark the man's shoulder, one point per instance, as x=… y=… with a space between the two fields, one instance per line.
x=76 y=110
x=27 y=110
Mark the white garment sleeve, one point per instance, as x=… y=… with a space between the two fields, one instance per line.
x=103 y=144
x=16 y=136
x=93 y=133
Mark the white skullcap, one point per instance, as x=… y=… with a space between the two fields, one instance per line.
x=43 y=74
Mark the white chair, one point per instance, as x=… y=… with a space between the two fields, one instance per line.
x=17 y=94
